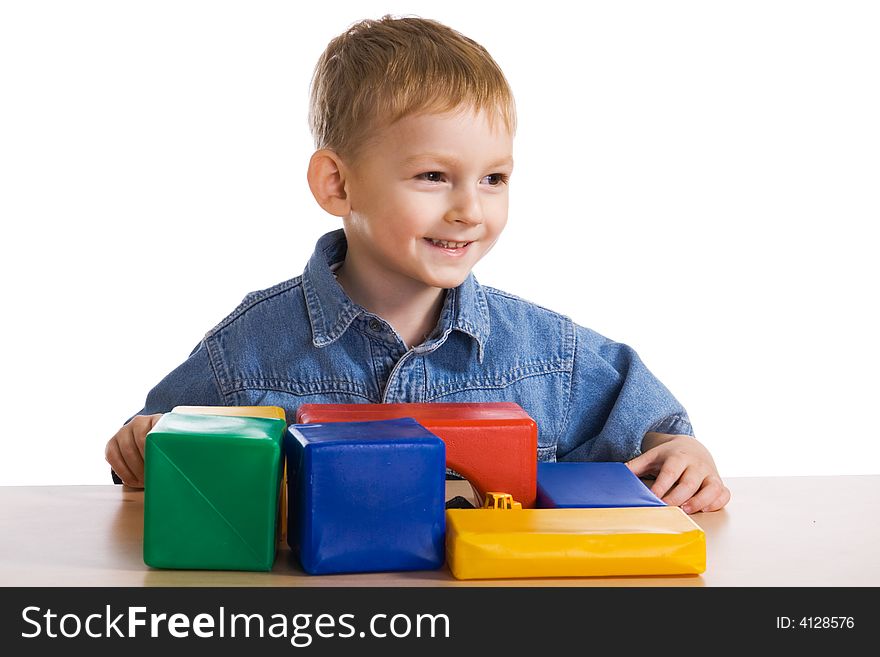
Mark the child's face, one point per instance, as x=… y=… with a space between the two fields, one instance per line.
x=425 y=179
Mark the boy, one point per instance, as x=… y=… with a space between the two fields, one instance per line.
x=414 y=126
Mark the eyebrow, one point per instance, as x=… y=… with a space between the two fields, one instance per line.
x=450 y=160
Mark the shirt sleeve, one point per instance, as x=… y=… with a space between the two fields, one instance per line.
x=615 y=401
x=192 y=383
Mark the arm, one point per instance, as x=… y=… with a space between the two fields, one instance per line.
x=193 y=383
x=684 y=471
x=614 y=401
x=619 y=411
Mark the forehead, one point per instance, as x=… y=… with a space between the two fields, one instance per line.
x=458 y=135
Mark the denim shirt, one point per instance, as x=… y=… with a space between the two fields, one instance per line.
x=304 y=341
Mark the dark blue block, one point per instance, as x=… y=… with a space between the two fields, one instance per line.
x=366 y=496
x=590 y=484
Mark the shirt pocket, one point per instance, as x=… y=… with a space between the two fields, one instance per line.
x=543 y=395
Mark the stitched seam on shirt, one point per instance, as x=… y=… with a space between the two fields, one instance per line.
x=485 y=386
x=507 y=295
x=425 y=374
x=308 y=393
x=373 y=365
x=312 y=320
x=218 y=368
x=291 y=383
x=315 y=312
x=550 y=450
x=253 y=299
x=676 y=420
x=507 y=377
x=300 y=390
x=570 y=343
x=420 y=361
x=483 y=310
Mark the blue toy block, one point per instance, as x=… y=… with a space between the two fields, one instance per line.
x=366 y=496
x=591 y=484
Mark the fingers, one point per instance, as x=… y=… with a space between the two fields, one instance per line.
x=140 y=426
x=644 y=464
x=690 y=488
x=670 y=473
x=114 y=457
x=687 y=475
x=711 y=495
x=695 y=492
x=127 y=440
x=125 y=451
x=693 y=498
x=717 y=495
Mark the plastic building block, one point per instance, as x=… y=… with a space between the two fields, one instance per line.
x=239 y=411
x=251 y=411
x=366 y=496
x=592 y=484
x=211 y=492
x=486 y=544
x=494 y=445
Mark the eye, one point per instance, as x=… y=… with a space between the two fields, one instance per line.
x=497 y=179
x=431 y=176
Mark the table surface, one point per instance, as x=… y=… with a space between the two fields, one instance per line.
x=776 y=531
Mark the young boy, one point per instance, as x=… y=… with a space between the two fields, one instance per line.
x=414 y=127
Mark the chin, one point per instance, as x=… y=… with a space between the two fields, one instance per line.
x=446 y=282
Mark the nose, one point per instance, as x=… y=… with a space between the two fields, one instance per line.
x=465 y=207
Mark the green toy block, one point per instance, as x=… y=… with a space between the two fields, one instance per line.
x=211 y=492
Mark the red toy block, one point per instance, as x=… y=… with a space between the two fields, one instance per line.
x=494 y=445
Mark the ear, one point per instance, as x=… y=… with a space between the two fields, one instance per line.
x=327 y=181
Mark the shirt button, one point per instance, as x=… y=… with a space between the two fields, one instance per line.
x=375 y=325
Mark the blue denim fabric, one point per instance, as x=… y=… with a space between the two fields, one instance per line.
x=304 y=341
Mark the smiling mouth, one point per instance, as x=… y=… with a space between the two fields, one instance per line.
x=444 y=244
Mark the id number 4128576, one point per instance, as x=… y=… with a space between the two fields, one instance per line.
x=815 y=623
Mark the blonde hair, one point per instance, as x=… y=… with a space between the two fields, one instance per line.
x=379 y=71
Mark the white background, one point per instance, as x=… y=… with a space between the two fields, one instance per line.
x=700 y=180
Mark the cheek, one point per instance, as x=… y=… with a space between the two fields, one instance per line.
x=497 y=215
x=411 y=213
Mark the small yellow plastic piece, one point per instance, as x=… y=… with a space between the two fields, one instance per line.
x=662 y=540
x=500 y=501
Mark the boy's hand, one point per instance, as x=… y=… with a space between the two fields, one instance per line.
x=685 y=474
x=125 y=450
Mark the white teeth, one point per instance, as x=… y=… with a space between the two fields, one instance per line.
x=448 y=245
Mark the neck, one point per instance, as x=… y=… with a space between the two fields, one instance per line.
x=412 y=308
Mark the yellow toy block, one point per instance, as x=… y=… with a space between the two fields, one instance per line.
x=274 y=412
x=595 y=542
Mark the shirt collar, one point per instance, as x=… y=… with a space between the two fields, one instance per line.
x=331 y=312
